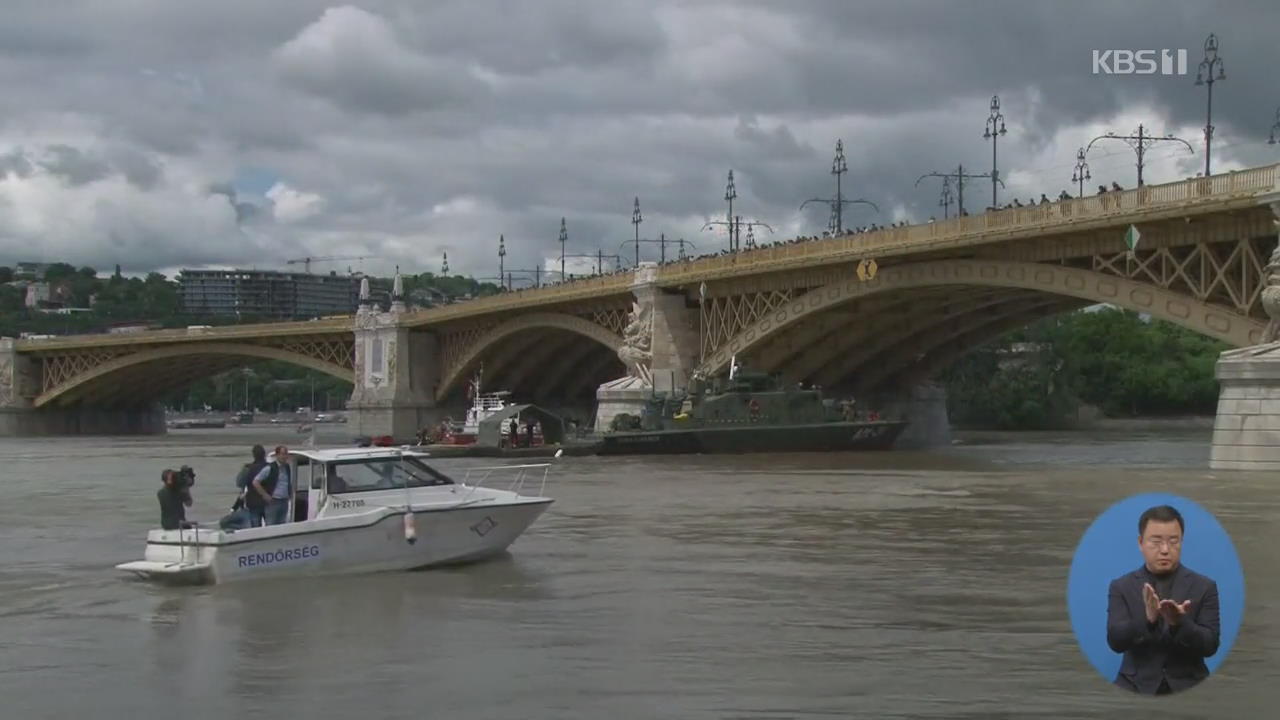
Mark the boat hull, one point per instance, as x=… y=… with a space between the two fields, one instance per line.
x=358 y=543
x=818 y=437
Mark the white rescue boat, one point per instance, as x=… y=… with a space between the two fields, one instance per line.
x=358 y=510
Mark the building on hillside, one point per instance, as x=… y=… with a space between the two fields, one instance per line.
x=429 y=297
x=48 y=296
x=37 y=293
x=267 y=293
x=30 y=270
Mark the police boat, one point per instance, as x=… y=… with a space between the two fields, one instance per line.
x=359 y=510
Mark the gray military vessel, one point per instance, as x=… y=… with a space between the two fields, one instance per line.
x=745 y=412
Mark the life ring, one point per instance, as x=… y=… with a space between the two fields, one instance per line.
x=753 y=407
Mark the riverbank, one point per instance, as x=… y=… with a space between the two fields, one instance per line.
x=1195 y=424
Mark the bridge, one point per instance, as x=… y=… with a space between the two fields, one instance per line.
x=800 y=308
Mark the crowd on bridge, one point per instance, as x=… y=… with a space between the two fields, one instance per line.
x=753 y=245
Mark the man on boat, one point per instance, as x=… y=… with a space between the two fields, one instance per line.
x=272 y=487
x=249 y=507
x=174 y=499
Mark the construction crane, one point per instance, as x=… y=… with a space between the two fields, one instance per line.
x=327 y=258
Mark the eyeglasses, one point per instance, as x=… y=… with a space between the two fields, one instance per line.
x=1171 y=543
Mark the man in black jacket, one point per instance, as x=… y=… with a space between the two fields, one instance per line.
x=174 y=498
x=1162 y=616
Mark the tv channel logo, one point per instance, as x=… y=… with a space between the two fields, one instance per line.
x=1140 y=62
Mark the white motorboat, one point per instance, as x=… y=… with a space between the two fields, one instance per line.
x=358 y=510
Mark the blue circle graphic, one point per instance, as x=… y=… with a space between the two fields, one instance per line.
x=1110 y=549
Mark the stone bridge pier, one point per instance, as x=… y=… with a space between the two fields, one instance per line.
x=1246 y=430
x=396 y=371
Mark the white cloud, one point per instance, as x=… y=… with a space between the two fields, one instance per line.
x=290 y=205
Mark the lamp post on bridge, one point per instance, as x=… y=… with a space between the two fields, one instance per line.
x=838 y=167
x=1274 y=128
x=730 y=192
x=1140 y=143
x=662 y=242
x=1081 y=172
x=960 y=176
x=636 y=219
x=1204 y=76
x=502 y=254
x=995 y=128
x=564 y=237
x=944 y=200
x=737 y=225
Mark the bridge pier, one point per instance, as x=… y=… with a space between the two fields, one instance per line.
x=1246 y=431
x=396 y=372
x=660 y=349
x=925 y=407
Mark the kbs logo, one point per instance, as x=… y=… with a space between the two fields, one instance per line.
x=1139 y=62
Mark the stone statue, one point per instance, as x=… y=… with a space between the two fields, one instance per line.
x=1271 y=295
x=635 y=352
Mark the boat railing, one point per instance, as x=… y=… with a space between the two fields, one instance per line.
x=185 y=550
x=522 y=474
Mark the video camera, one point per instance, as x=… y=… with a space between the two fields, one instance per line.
x=184 y=478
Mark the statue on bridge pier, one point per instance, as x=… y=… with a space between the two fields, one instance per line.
x=637 y=339
x=1271 y=290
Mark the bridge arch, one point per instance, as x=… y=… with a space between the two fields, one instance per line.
x=1068 y=282
x=163 y=368
x=538 y=320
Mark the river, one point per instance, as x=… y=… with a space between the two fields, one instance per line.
x=882 y=585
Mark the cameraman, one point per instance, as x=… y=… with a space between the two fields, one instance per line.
x=175 y=496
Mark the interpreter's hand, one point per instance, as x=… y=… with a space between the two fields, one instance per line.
x=1173 y=612
x=1151 y=601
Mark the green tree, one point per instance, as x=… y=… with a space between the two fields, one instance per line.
x=1109 y=358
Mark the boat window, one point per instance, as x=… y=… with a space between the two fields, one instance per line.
x=382 y=474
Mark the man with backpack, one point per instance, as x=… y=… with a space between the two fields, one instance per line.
x=249 y=508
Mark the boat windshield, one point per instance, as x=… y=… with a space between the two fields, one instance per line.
x=346 y=476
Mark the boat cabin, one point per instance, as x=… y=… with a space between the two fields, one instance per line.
x=329 y=481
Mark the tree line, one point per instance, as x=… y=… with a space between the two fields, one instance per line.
x=1114 y=360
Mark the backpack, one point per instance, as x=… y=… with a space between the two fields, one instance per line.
x=248 y=473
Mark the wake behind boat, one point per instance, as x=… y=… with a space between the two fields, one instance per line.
x=357 y=510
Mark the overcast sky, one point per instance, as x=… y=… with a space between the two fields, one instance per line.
x=159 y=134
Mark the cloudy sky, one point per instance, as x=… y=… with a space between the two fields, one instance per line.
x=159 y=134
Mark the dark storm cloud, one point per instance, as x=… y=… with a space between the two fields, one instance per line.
x=72 y=165
x=15 y=161
x=404 y=130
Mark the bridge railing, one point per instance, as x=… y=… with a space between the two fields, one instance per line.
x=590 y=287
x=958 y=231
x=324 y=326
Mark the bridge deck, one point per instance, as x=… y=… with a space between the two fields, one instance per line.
x=1234 y=190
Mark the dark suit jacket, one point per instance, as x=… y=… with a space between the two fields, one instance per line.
x=1157 y=652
